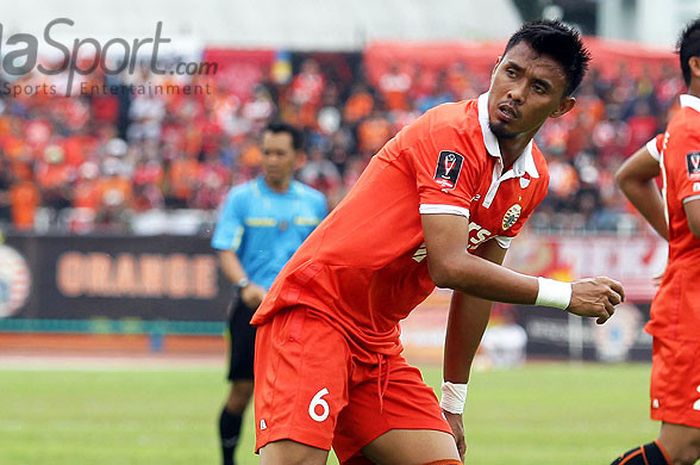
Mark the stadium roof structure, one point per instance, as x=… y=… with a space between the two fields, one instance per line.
x=339 y=25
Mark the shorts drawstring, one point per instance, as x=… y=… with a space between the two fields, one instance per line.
x=382 y=381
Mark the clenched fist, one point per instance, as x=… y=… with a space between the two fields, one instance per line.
x=595 y=297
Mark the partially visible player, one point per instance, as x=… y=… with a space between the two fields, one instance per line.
x=675 y=311
x=261 y=225
x=438 y=204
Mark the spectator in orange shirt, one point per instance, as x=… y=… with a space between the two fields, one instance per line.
x=24 y=200
x=372 y=133
x=182 y=178
x=394 y=86
x=359 y=105
x=86 y=193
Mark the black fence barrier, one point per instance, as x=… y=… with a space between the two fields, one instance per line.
x=556 y=334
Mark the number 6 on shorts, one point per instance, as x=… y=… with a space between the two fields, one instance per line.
x=318 y=401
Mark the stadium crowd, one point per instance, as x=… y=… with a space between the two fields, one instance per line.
x=92 y=161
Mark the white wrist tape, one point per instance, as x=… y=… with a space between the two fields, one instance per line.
x=555 y=294
x=454 y=396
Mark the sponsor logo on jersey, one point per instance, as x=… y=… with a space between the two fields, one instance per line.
x=477 y=235
x=15 y=281
x=511 y=216
x=693 y=162
x=448 y=168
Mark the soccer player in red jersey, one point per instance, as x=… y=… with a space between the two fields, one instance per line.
x=438 y=205
x=675 y=311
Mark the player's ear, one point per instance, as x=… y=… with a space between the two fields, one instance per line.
x=565 y=106
x=694 y=63
x=495 y=66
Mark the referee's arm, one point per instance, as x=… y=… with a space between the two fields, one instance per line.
x=231 y=266
x=250 y=293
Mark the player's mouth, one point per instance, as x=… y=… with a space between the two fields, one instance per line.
x=507 y=113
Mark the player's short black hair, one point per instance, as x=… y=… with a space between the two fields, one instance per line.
x=558 y=41
x=688 y=46
x=277 y=127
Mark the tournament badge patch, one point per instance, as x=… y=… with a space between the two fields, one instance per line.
x=448 y=168
x=693 y=162
x=511 y=216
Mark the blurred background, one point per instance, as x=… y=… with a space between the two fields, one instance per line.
x=111 y=171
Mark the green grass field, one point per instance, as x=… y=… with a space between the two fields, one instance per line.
x=544 y=414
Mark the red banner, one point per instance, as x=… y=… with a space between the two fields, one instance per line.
x=634 y=261
x=609 y=57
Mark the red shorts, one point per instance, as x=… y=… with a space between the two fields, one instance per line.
x=675 y=382
x=309 y=388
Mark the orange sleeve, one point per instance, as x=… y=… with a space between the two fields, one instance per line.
x=446 y=176
x=685 y=169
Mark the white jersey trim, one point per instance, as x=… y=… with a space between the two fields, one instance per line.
x=691 y=101
x=436 y=209
x=691 y=198
x=504 y=241
x=653 y=151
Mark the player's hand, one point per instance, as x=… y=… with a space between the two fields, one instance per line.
x=457 y=424
x=596 y=297
x=252 y=295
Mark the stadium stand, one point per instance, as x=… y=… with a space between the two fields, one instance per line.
x=124 y=161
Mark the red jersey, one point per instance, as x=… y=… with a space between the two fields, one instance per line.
x=364 y=268
x=675 y=312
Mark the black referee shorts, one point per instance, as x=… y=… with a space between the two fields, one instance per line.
x=242 y=341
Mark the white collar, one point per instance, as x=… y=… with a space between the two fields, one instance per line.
x=525 y=163
x=691 y=101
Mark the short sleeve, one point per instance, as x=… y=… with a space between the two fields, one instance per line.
x=685 y=167
x=655 y=146
x=229 y=227
x=446 y=175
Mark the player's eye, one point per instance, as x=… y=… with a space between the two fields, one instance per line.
x=539 y=89
x=510 y=72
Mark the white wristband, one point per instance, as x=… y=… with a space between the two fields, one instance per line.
x=454 y=396
x=555 y=294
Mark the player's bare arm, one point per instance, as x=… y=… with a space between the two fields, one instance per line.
x=467 y=322
x=692 y=211
x=636 y=178
x=451 y=266
x=251 y=293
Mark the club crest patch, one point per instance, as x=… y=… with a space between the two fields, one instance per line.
x=693 y=161
x=448 y=168
x=511 y=216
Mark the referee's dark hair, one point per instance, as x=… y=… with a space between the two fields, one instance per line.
x=689 y=46
x=277 y=127
x=558 y=41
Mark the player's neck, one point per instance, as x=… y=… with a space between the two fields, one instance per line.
x=511 y=148
x=694 y=88
x=278 y=186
